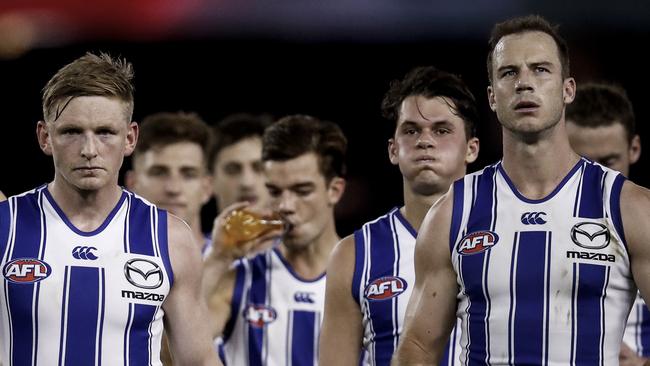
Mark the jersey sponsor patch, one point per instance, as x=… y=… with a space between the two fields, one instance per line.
x=385 y=288
x=477 y=242
x=258 y=315
x=590 y=235
x=26 y=270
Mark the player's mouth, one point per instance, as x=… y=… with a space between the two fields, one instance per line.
x=526 y=106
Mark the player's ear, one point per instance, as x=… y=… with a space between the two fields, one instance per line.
x=335 y=190
x=43 y=135
x=473 y=147
x=635 y=149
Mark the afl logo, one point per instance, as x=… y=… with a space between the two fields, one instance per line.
x=385 y=288
x=259 y=315
x=26 y=270
x=477 y=242
x=590 y=235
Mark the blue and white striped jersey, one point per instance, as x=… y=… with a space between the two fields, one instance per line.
x=542 y=282
x=637 y=330
x=70 y=297
x=275 y=315
x=384 y=276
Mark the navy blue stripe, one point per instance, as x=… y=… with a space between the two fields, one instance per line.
x=602 y=316
x=473 y=283
x=235 y=304
x=644 y=320
x=222 y=354
x=129 y=319
x=473 y=271
x=359 y=254
x=5 y=224
x=456 y=212
x=139 y=334
x=529 y=294
x=83 y=311
x=488 y=305
x=257 y=297
x=480 y=217
x=573 y=312
x=615 y=206
x=549 y=263
x=21 y=295
x=591 y=279
x=140 y=228
x=382 y=259
x=302 y=348
x=591 y=199
x=513 y=256
x=163 y=243
x=102 y=307
x=64 y=304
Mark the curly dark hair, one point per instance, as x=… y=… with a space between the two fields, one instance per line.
x=431 y=82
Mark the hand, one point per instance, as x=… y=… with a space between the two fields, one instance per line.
x=628 y=357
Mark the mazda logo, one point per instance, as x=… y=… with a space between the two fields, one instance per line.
x=590 y=235
x=143 y=273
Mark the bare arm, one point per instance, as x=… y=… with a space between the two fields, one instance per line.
x=185 y=311
x=635 y=214
x=2 y=196
x=342 y=331
x=430 y=315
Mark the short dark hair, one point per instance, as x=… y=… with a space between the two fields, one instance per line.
x=89 y=75
x=165 y=128
x=529 y=23
x=431 y=82
x=602 y=104
x=237 y=127
x=296 y=135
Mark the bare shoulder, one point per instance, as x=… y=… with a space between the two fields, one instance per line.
x=439 y=216
x=634 y=198
x=184 y=254
x=341 y=262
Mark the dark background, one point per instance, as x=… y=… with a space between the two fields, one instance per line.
x=333 y=62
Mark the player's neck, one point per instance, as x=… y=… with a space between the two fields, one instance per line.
x=536 y=168
x=310 y=261
x=416 y=206
x=86 y=210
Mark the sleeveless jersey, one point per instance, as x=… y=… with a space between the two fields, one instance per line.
x=70 y=297
x=637 y=330
x=384 y=276
x=275 y=315
x=542 y=282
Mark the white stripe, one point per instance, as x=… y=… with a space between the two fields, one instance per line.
x=41 y=249
x=579 y=198
x=127 y=219
x=9 y=251
x=289 y=338
x=487 y=307
x=395 y=273
x=128 y=334
x=98 y=345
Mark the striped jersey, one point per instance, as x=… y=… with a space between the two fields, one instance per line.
x=384 y=276
x=637 y=330
x=70 y=297
x=542 y=282
x=275 y=315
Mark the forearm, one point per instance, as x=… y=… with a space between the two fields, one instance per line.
x=412 y=353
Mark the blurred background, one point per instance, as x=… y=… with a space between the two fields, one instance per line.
x=331 y=59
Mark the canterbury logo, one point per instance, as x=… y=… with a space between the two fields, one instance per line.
x=143 y=273
x=533 y=218
x=84 y=253
x=590 y=235
x=304 y=297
